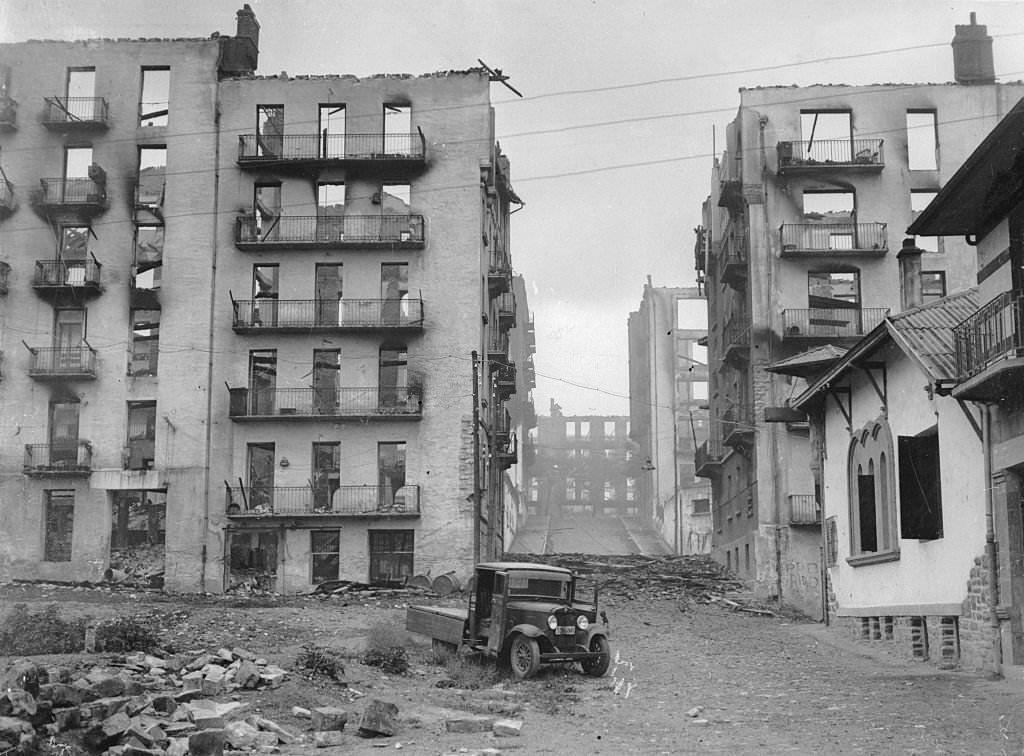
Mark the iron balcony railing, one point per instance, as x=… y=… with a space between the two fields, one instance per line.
x=58 y=362
x=507 y=307
x=831 y=323
x=497 y=344
x=735 y=248
x=8 y=114
x=326 y=499
x=831 y=153
x=994 y=332
x=328 y=230
x=71 y=191
x=737 y=423
x=325 y=314
x=67 y=274
x=386 y=401
x=76 y=111
x=834 y=238
x=262 y=148
x=804 y=509
x=709 y=454
x=68 y=457
x=736 y=334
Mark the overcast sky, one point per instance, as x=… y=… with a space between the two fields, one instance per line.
x=611 y=147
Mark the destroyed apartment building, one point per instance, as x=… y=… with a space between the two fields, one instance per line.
x=239 y=314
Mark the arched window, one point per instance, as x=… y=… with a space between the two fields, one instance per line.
x=872 y=503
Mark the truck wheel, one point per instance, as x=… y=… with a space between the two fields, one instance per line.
x=597 y=666
x=524 y=657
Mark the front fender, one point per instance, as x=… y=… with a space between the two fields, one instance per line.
x=530 y=631
x=595 y=630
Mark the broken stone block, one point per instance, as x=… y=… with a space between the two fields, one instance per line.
x=16 y=702
x=298 y=711
x=247 y=675
x=508 y=728
x=378 y=719
x=154 y=661
x=266 y=739
x=226 y=655
x=23 y=675
x=204 y=721
x=241 y=735
x=133 y=688
x=211 y=687
x=695 y=711
x=244 y=654
x=469 y=723
x=104 y=734
x=177 y=747
x=206 y=743
x=272 y=679
x=179 y=729
x=67 y=719
x=329 y=718
x=102 y=708
x=106 y=686
x=328 y=738
x=136 y=750
x=136 y=704
x=11 y=729
x=265 y=724
x=199 y=662
x=60 y=694
x=59 y=675
x=164 y=704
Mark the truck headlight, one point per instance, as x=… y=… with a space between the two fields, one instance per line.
x=552 y=621
x=582 y=622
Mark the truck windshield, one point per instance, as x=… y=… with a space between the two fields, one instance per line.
x=540 y=584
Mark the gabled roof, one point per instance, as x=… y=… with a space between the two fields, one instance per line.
x=984 y=189
x=925 y=334
x=808 y=363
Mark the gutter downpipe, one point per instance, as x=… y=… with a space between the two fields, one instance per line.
x=991 y=545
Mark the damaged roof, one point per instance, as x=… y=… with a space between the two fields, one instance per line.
x=808 y=363
x=925 y=334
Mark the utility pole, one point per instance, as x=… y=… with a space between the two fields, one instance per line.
x=476 y=461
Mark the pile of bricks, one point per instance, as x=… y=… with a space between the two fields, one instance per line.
x=142 y=705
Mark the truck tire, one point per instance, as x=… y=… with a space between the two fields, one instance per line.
x=597 y=666
x=524 y=657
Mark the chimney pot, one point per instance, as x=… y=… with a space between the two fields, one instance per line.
x=972 y=54
x=909 y=256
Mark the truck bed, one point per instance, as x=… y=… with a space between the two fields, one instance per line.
x=441 y=622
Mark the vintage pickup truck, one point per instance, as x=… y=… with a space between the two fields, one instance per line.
x=524 y=615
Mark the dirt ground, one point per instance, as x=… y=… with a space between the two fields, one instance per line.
x=766 y=684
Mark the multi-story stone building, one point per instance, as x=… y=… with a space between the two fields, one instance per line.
x=808 y=207
x=582 y=465
x=239 y=324
x=668 y=392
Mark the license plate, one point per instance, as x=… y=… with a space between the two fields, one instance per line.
x=565 y=630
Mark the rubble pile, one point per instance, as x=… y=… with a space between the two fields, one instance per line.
x=141 y=566
x=690 y=576
x=140 y=705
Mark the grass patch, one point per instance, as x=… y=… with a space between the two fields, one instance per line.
x=27 y=633
x=470 y=672
x=321 y=661
x=127 y=633
x=386 y=648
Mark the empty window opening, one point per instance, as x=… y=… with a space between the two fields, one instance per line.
x=155 y=98
x=260 y=471
x=326 y=476
x=922 y=140
x=141 y=435
x=145 y=342
x=609 y=429
x=72 y=257
x=395 y=199
x=265 y=293
x=325 y=555
x=81 y=104
x=570 y=429
x=267 y=209
x=149 y=192
x=74 y=242
x=919 y=200
x=269 y=130
x=920 y=486
x=328 y=285
x=397 y=127
x=699 y=390
x=332 y=131
x=326 y=381
x=585 y=429
x=872 y=494
x=253 y=560
x=393 y=377
x=149 y=256
x=262 y=381
x=888 y=628
x=827 y=136
x=394 y=292
x=330 y=211
x=828 y=207
x=691 y=313
x=69 y=332
x=833 y=290
x=138 y=532
x=77 y=161
x=59 y=520
x=391 y=556
x=391 y=475
x=933 y=285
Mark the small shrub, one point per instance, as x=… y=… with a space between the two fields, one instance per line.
x=471 y=672
x=27 y=633
x=383 y=637
x=321 y=661
x=123 y=634
x=393 y=659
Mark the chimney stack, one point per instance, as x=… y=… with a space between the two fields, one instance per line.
x=911 y=294
x=972 y=54
x=247 y=26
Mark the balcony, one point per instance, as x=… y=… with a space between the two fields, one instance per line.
x=499 y=273
x=270 y=316
x=76 y=114
x=388 y=403
x=67 y=278
x=736 y=338
x=323 y=501
x=737 y=425
x=70 y=195
x=505 y=380
x=830 y=155
x=7 y=201
x=62 y=363
x=804 y=509
x=733 y=260
x=70 y=457
x=834 y=239
x=8 y=114
x=306 y=151
x=300 y=232
x=830 y=324
x=497 y=346
x=708 y=458
x=506 y=310
x=989 y=348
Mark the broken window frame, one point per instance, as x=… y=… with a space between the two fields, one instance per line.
x=324 y=552
x=58 y=525
x=154 y=110
x=933 y=285
x=151 y=188
x=140 y=436
x=330 y=138
x=814 y=116
x=149 y=261
x=269 y=130
x=144 y=357
x=397 y=547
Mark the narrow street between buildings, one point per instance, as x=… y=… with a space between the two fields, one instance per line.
x=689 y=675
